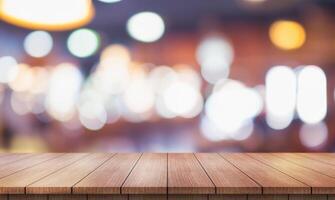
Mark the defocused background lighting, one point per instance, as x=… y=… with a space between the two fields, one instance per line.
x=313 y=135
x=83 y=42
x=312 y=94
x=287 y=35
x=8 y=69
x=146 y=26
x=38 y=44
x=280 y=96
x=40 y=14
x=110 y=1
x=215 y=55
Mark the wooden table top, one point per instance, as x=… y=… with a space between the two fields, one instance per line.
x=162 y=173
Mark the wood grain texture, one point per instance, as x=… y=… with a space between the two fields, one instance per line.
x=324 y=168
x=268 y=197
x=61 y=182
x=9 y=158
x=8 y=169
x=149 y=176
x=227 y=197
x=3 y=197
x=226 y=177
x=331 y=197
x=271 y=180
x=109 y=177
x=320 y=183
x=307 y=197
x=27 y=197
x=186 y=176
x=107 y=197
x=147 y=197
x=328 y=158
x=188 y=197
x=67 y=197
x=16 y=183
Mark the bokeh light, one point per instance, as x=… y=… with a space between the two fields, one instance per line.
x=313 y=135
x=215 y=55
x=38 y=44
x=146 y=26
x=287 y=35
x=312 y=94
x=83 y=42
x=280 y=96
x=8 y=69
x=40 y=14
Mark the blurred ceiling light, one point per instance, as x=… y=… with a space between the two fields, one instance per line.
x=312 y=94
x=313 y=135
x=280 y=96
x=83 y=42
x=287 y=35
x=63 y=91
x=47 y=15
x=23 y=81
x=139 y=96
x=161 y=77
x=188 y=74
x=8 y=69
x=182 y=99
x=92 y=114
x=110 y=1
x=215 y=55
x=38 y=44
x=146 y=26
x=228 y=109
x=114 y=54
x=20 y=103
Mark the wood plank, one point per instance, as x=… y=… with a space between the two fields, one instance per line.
x=308 y=197
x=6 y=170
x=147 y=197
x=328 y=158
x=16 y=183
x=3 y=197
x=188 y=197
x=227 y=197
x=109 y=177
x=67 y=197
x=321 y=184
x=271 y=180
x=226 y=177
x=9 y=158
x=331 y=197
x=107 y=197
x=61 y=182
x=27 y=197
x=149 y=175
x=268 y=197
x=309 y=163
x=186 y=176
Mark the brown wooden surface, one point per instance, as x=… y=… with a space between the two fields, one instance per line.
x=108 y=178
x=211 y=176
x=227 y=178
x=149 y=176
x=186 y=176
x=272 y=180
x=61 y=182
x=320 y=183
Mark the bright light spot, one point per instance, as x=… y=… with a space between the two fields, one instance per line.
x=92 y=114
x=38 y=44
x=47 y=15
x=215 y=55
x=230 y=106
x=63 y=91
x=312 y=94
x=83 y=42
x=20 y=103
x=287 y=35
x=187 y=74
x=146 y=26
x=23 y=81
x=139 y=97
x=280 y=96
x=313 y=135
x=161 y=77
x=182 y=99
x=8 y=69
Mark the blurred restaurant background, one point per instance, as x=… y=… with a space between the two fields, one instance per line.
x=167 y=76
